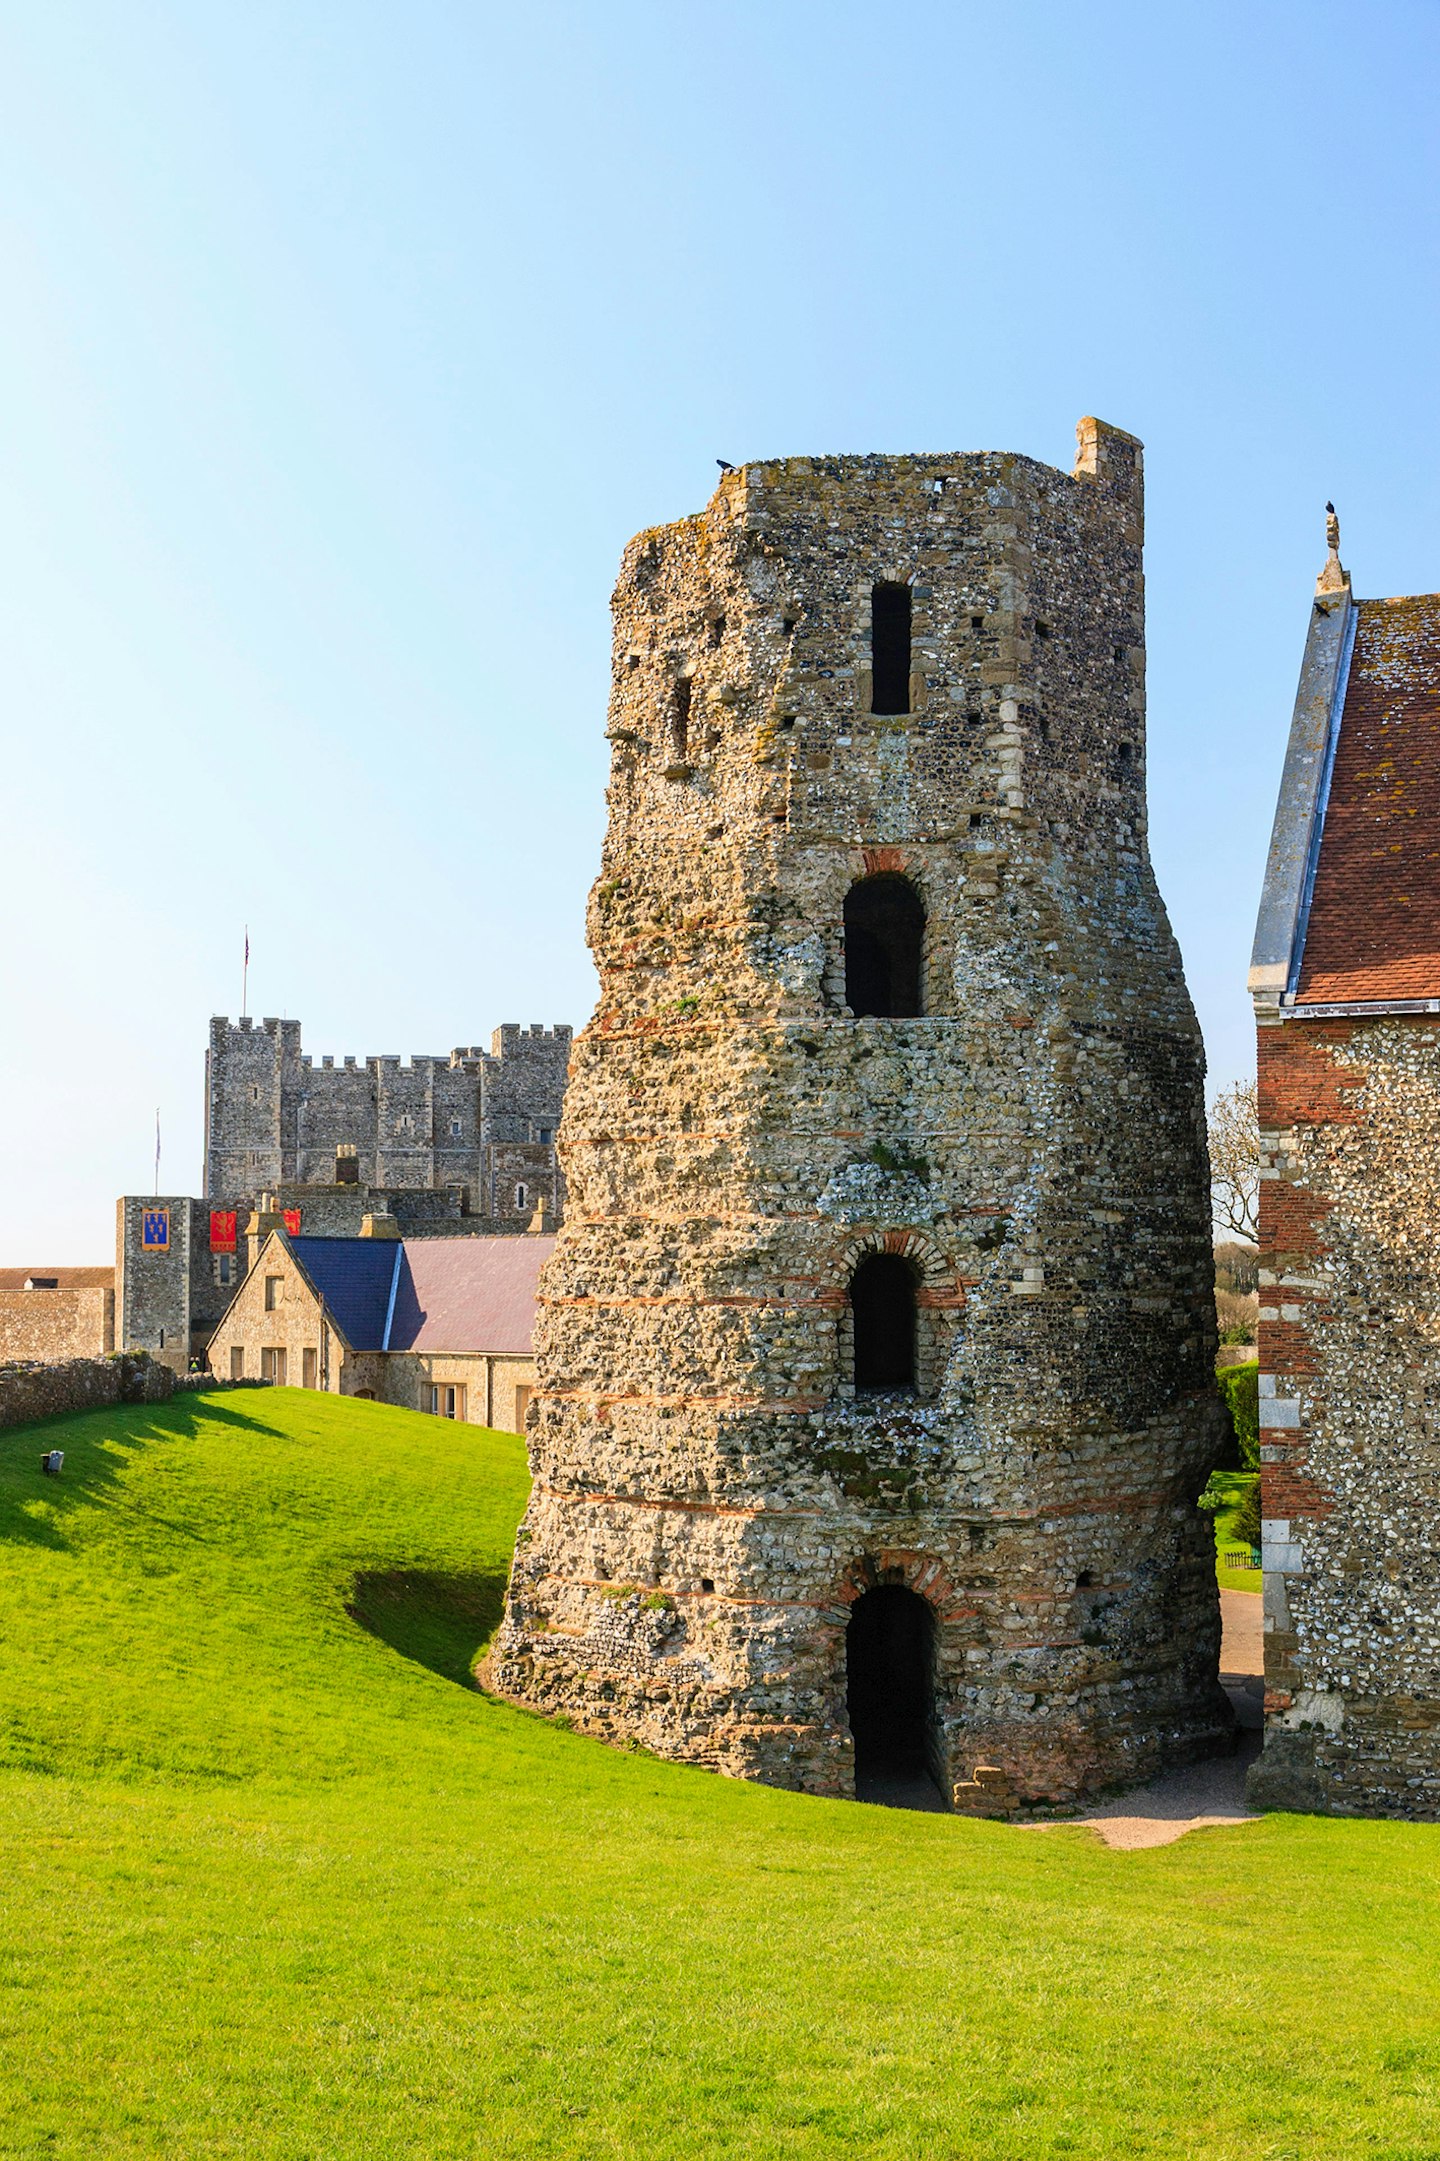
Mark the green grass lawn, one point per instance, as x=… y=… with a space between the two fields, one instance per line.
x=1234 y=1485
x=279 y=1884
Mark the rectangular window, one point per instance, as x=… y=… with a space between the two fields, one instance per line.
x=309 y=1367
x=522 y=1404
x=890 y=649
x=274 y=1292
x=456 y=1129
x=224 y=1269
x=447 y=1401
x=272 y=1366
x=237 y=1361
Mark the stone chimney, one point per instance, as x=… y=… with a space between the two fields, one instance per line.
x=265 y=1217
x=542 y=1223
x=381 y=1224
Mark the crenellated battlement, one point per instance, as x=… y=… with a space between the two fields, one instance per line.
x=276 y=1115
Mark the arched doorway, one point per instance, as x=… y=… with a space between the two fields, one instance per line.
x=882 y=1316
x=884 y=947
x=890 y=1697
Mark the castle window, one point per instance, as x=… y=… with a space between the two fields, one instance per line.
x=456 y=1129
x=545 y=1135
x=890 y=649
x=884 y=947
x=224 y=1268
x=680 y=718
x=274 y=1293
x=882 y=1309
x=522 y=1195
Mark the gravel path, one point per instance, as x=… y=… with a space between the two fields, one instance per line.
x=1204 y=1793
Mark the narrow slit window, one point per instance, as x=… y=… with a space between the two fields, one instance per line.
x=890 y=649
x=680 y=719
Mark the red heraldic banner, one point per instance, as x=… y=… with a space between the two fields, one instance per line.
x=292 y=1221
x=222 y=1230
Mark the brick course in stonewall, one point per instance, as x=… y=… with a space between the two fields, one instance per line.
x=1346 y=984
x=875 y=1356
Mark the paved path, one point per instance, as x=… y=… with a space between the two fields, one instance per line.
x=1204 y=1793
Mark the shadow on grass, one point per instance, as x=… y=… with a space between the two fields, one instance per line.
x=441 y=1621
x=98 y=1446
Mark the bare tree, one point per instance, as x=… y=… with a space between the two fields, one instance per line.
x=1235 y=1161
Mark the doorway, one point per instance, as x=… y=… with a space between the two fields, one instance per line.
x=890 y=1697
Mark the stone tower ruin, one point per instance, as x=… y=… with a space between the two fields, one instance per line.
x=875 y=1384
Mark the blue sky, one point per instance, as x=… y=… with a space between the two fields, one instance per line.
x=345 y=347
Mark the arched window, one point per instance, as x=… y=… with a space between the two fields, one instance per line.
x=890 y=1697
x=882 y=1312
x=884 y=947
x=890 y=649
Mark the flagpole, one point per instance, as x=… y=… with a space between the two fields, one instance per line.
x=157 y=1151
x=245 y=977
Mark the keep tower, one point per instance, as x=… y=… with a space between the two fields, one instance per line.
x=875 y=1356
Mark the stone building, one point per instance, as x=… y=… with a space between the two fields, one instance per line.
x=875 y=1357
x=1346 y=985
x=463 y=1146
x=480 y=1125
x=432 y=1324
x=50 y=1314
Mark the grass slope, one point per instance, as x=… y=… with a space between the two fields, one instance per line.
x=279 y=1884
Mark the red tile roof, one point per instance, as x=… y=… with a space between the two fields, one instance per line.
x=1374 y=928
x=469 y=1294
x=67 y=1279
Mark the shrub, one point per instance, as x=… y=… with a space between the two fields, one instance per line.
x=1245 y=1523
x=1240 y=1386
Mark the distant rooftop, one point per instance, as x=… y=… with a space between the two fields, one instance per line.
x=429 y=1294
x=64 y=1279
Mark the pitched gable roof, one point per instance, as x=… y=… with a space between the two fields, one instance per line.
x=469 y=1294
x=355 y=1277
x=428 y=1294
x=1373 y=931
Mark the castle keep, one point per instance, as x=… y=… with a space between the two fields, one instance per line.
x=479 y=1124
x=462 y=1146
x=875 y=1355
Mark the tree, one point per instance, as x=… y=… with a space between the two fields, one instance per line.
x=1235 y=1161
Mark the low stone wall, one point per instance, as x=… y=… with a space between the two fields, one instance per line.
x=29 y=1391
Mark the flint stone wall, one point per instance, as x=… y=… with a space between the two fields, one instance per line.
x=30 y=1391
x=711 y=1496
x=1350 y=1415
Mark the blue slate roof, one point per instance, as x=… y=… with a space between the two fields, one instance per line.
x=353 y=1276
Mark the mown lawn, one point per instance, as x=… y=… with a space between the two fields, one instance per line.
x=1235 y=1485
x=274 y=1887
